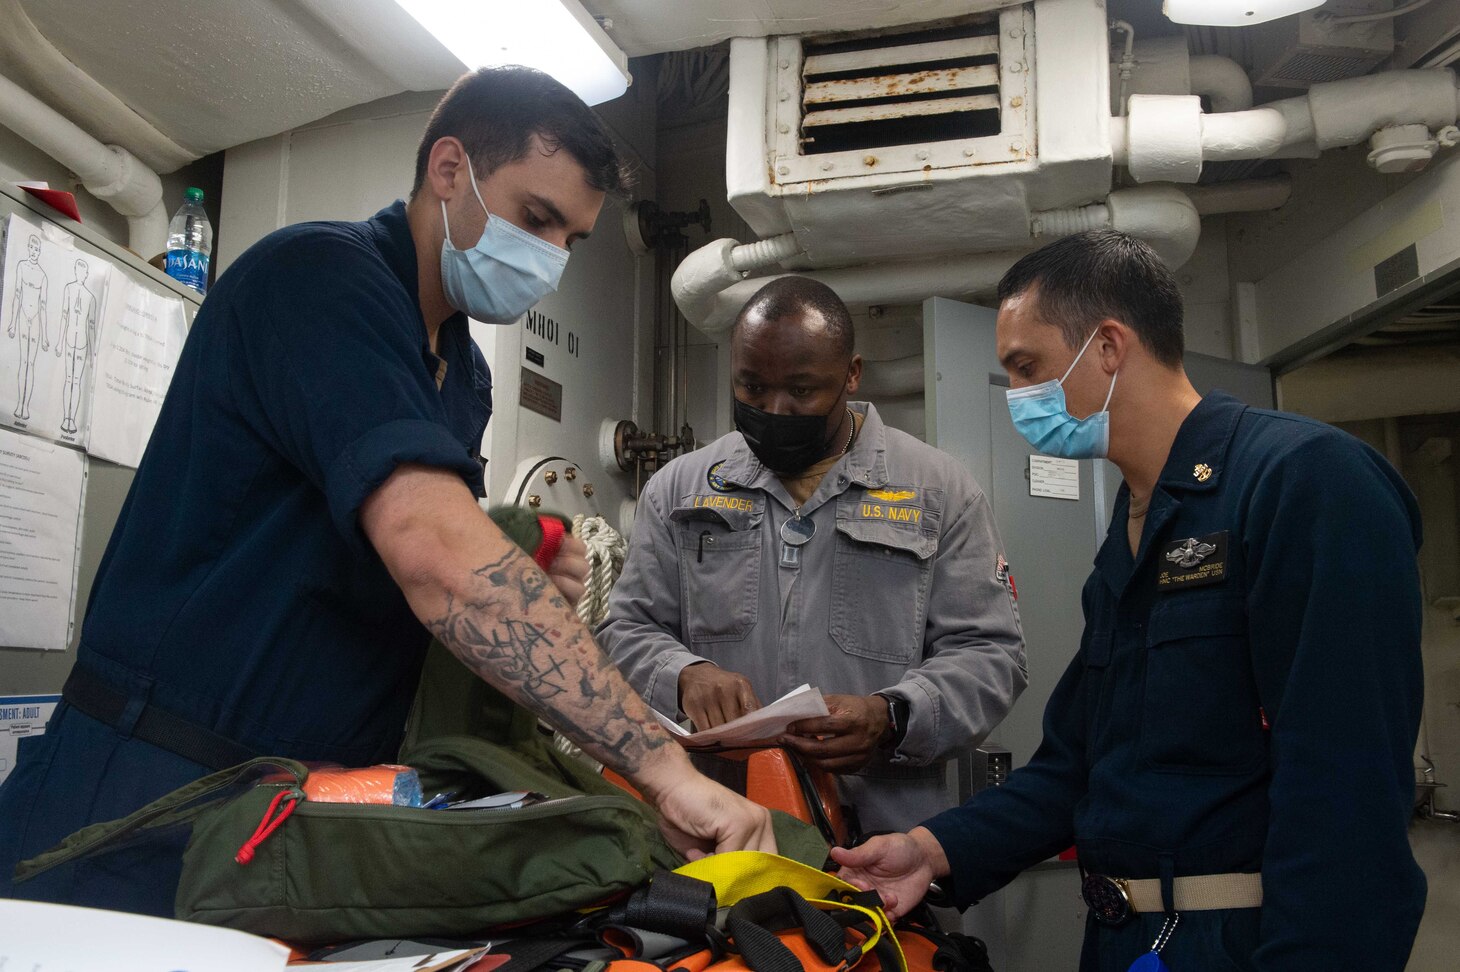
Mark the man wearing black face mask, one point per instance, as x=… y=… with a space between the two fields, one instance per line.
x=814 y=544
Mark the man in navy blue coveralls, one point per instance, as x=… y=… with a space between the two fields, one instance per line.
x=1233 y=741
x=305 y=516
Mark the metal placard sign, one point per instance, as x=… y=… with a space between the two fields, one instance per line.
x=542 y=395
x=1055 y=478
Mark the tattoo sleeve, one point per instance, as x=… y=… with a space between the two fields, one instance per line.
x=512 y=627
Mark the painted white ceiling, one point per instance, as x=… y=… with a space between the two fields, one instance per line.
x=172 y=80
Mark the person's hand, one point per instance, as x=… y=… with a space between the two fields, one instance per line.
x=899 y=867
x=842 y=742
x=569 y=569
x=699 y=816
x=711 y=696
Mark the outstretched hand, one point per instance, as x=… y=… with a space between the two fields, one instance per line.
x=899 y=867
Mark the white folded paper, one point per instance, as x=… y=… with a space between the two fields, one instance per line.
x=760 y=727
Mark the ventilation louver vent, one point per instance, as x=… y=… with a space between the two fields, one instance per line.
x=876 y=92
x=1303 y=68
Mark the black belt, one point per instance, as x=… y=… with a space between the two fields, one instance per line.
x=91 y=695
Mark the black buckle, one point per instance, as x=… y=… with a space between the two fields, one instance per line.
x=1107 y=899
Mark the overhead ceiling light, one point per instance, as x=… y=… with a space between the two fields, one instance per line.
x=1233 y=13
x=555 y=36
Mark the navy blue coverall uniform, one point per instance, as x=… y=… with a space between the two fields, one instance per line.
x=1257 y=712
x=238 y=595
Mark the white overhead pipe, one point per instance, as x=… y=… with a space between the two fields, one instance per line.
x=1166 y=138
x=32 y=61
x=1221 y=80
x=711 y=301
x=1127 y=61
x=710 y=288
x=107 y=171
x=893 y=378
x=1246 y=196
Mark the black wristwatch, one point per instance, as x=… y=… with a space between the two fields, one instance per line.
x=898 y=711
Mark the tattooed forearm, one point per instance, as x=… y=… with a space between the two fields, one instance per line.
x=509 y=625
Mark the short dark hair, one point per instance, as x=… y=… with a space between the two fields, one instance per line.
x=496 y=111
x=1082 y=279
x=790 y=295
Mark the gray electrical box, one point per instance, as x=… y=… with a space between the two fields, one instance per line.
x=986 y=766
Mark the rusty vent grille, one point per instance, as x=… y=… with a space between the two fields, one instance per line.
x=877 y=92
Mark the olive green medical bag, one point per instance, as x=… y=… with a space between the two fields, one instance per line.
x=328 y=872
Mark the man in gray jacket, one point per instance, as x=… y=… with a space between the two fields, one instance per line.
x=814 y=544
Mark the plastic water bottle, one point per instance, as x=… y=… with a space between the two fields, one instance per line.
x=190 y=242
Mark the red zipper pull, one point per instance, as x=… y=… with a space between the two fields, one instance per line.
x=267 y=826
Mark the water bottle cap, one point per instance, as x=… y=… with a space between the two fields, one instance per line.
x=193 y=195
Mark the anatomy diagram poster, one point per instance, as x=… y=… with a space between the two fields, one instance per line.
x=50 y=317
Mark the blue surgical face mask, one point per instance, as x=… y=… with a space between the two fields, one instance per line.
x=504 y=274
x=1040 y=415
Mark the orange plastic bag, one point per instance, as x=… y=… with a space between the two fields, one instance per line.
x=385 y=783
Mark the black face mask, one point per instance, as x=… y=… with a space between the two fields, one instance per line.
x=784 y=443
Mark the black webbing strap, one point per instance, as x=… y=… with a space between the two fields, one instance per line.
x=672 y=904
x=89 y=694
x=531 y=954
x=753 y=922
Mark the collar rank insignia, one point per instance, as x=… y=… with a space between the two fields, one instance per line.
x=717 y=482
x=1193 y=562
x=1202 y=472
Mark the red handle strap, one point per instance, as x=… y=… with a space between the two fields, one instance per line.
x=269 y=824
x=553 y=532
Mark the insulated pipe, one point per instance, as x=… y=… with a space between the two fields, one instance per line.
x=1247 y=196
x=764 y=253
x=713 y=311
x=32 y=61
x=892 y=379
x=1167 y=137
x=107 y=171
x=1221 y=80
x=710 y=290
x=1242 y=135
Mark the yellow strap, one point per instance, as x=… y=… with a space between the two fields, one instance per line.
x=738 y=875
x=881 y=928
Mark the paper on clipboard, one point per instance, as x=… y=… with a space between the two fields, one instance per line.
x=754 y=728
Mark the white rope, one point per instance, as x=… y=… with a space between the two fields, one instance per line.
x=606 y=551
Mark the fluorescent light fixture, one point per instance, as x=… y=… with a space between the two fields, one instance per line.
x=1233 y=13
x=555 y=36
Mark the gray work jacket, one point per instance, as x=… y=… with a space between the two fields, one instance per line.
x=903 y=589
